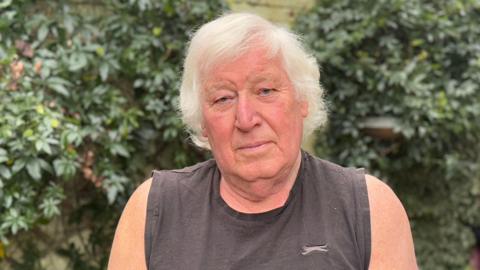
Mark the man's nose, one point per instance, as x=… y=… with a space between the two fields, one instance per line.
x=246 y=115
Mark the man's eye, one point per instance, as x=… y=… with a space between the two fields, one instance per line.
x=265 y=91
x=222 y=100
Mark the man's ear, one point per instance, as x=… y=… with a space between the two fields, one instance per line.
x=204 y=131
x=304 y=108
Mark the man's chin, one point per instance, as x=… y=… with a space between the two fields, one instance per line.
x=261 y=169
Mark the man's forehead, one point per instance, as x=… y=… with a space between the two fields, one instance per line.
x=224 y=78
x=259 y=55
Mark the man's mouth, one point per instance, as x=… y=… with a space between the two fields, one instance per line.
x=253 y=146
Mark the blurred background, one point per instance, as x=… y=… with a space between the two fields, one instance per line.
x=87 y=109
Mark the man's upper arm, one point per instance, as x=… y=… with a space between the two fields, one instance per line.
x=128 y=249
x=392 y=243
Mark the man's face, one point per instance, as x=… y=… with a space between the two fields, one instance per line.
x=252 y=118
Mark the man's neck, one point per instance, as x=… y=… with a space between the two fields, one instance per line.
x=262 y=195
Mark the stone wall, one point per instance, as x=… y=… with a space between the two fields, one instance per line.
x=280 y=11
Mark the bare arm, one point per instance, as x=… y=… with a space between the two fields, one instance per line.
x=128 y=249
x=392 y=243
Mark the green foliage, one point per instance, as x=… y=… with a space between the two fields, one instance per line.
x=417 y=62
x=88 y=92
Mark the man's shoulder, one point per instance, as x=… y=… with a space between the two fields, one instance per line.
x=188 y=179
x=391 y=235
x=331 y=171
x=199 y=168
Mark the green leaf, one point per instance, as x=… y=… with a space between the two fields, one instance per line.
x=77 y=61
x=60 y=88
x=46 y=147
x=100 y=51
x=15 y=221
x=7 y=203
x=120 y=150
x=42 y=145
x=50 y=207
x=58 y=84
x=144 y=4
x=68 y=23
x=71 y=137
x=54 y=123
x=42 y=32
x=157 y=31
x=3 y=155
x=18 y=165
x=58 y=80
x=5 y=3
x=64 y=167
x=33 y=168
x=104 y=71
x=138 y=83
x=59 y=166
x=45 y=166
x=39 y=145
x=28 y=133
x=5 y=172
x=114 y=184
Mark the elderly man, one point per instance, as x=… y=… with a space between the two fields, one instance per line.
x=250 y=93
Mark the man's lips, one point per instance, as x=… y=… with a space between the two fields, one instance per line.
x=252 y=145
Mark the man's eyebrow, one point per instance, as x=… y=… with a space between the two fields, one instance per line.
x=214 y=85
x=267 y=76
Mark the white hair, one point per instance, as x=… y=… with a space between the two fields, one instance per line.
x=233 y=35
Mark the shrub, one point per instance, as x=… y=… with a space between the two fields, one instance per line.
x=87 y=94
x=418 y=64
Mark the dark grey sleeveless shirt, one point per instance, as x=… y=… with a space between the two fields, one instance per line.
x=325 y=223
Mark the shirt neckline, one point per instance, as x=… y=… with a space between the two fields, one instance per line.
x=263 y=216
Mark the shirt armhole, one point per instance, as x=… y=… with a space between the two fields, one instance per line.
x=152 y=215
x=363 y=217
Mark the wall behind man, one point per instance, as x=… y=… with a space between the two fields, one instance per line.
x=278 y=11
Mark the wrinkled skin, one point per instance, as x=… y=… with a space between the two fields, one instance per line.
x=253 y=121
